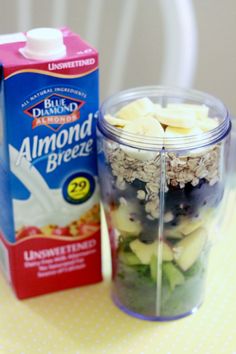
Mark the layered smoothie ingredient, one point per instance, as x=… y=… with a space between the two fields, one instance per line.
x=162 y=205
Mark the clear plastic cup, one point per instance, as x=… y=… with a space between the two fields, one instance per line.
x=161 y=199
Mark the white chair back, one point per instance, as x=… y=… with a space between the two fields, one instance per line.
x=179 y=39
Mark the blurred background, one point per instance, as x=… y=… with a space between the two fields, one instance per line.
x=143 y=42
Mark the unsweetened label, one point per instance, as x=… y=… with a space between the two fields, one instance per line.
x=50 y=222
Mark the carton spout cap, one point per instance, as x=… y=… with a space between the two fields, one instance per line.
x=44 y=44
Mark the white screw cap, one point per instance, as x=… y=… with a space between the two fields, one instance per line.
x=44 y=44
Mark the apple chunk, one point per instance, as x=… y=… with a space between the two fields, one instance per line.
x=167 y=253
x=124 y=221
x=144 y=251
x=188 y=249
x=129 y=258
x=173 y=275
x=185 y=228
x=190 y=226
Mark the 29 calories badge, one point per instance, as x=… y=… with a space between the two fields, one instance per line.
x=54 y=111
x=78 y=188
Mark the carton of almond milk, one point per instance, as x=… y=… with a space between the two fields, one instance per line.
x=49 y=201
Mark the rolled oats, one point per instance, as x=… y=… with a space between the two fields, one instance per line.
x=141 y=194
x=120 y=183
x=152 y=207
x=168 y=217
x=179 y=171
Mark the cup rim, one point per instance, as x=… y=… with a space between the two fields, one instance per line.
x=190 y=142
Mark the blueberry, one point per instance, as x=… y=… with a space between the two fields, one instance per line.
x=137 y=184
x=150 y=231
x=188 y=200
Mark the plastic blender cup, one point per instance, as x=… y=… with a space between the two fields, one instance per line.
x=161 y=198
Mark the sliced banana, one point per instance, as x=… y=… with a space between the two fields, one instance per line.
x=144 y=118
x=208 y=124
x=115 y=121
x=146 y=126
x=174 y=118
x=136 y=109
x=201 y=111
x=202 y=114
x=139 y=154
x=172 y=132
